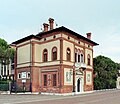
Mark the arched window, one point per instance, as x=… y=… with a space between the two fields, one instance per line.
x=45 y=55
x=82 y=57
x=54 y=53
x=68 y=54
x=88 y=59
x=79 y=55
x=75 y=55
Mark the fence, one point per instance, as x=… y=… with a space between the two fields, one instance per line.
x=4 y=86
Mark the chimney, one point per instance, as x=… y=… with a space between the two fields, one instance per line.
x=88 y=35
x=51 y=23
x=45 y=26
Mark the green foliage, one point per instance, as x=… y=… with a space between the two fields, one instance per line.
x=6 y=52
x=4 y=87
x=106 y=73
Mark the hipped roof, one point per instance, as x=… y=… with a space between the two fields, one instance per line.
x=59 y=29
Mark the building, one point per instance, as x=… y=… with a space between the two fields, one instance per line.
x=118 y=81
x=56 y=61
x=7 y=68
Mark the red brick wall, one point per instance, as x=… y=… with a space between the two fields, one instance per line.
x=88 y=87
x=34 y=78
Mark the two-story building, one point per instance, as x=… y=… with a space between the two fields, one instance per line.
x=56 y=61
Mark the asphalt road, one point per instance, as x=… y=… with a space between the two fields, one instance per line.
x=104 y=97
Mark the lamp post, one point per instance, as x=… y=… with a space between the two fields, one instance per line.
x=73 y=78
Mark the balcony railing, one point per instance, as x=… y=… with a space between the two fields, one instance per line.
x=80 y=65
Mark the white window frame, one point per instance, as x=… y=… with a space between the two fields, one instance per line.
x=23 y=75
x=18 y=75
x=27 y=75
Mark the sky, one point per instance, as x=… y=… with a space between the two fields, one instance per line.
x=20 y=18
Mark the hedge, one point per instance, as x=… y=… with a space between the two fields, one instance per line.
x=4 y=87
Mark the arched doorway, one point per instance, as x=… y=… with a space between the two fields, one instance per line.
x=78 y=85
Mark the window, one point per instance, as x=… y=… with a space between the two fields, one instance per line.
x=45 y=55
x=75 y=55
x=82 y=58
x=23 y=74
x=54 y=80
x=68 y=54
x=45 y=80
x=88 y=59
x=8 y=72
x=54 y=53
x=54 y=36
x=68 y=37
x=44 y=39
x=28 y=74
x=19 y=75
x=79 y=55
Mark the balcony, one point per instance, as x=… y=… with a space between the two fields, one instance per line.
x=79 y=65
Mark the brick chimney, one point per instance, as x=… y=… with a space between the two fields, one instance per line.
x=88 y=35
x=45 y=26
x=51 y=23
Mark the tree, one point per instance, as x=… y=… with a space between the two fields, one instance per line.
x=106 y=73
x=6 y=53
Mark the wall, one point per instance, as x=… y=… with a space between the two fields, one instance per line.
x=68 y=76
x=39 y=53
x=23 y=55
x=66 y=45
x=118 y=83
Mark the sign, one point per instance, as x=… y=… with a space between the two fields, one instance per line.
x=23 y=75
x=23 y=81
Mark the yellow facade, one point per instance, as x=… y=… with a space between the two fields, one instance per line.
x=23 y=56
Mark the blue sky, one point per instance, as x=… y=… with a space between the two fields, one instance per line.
x=19 y=18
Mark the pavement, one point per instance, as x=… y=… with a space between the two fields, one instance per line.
x=98 y=97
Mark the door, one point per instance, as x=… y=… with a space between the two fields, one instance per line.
x=78 y=85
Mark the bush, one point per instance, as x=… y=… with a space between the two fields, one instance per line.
x=4 y=87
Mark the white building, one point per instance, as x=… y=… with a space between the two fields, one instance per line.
x=7 y=71
x=118 y=81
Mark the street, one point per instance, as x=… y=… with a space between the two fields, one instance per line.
x=101 y=97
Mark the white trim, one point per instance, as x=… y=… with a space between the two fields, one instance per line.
x=27 y=75
x=81 y=84
x=18 y=75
